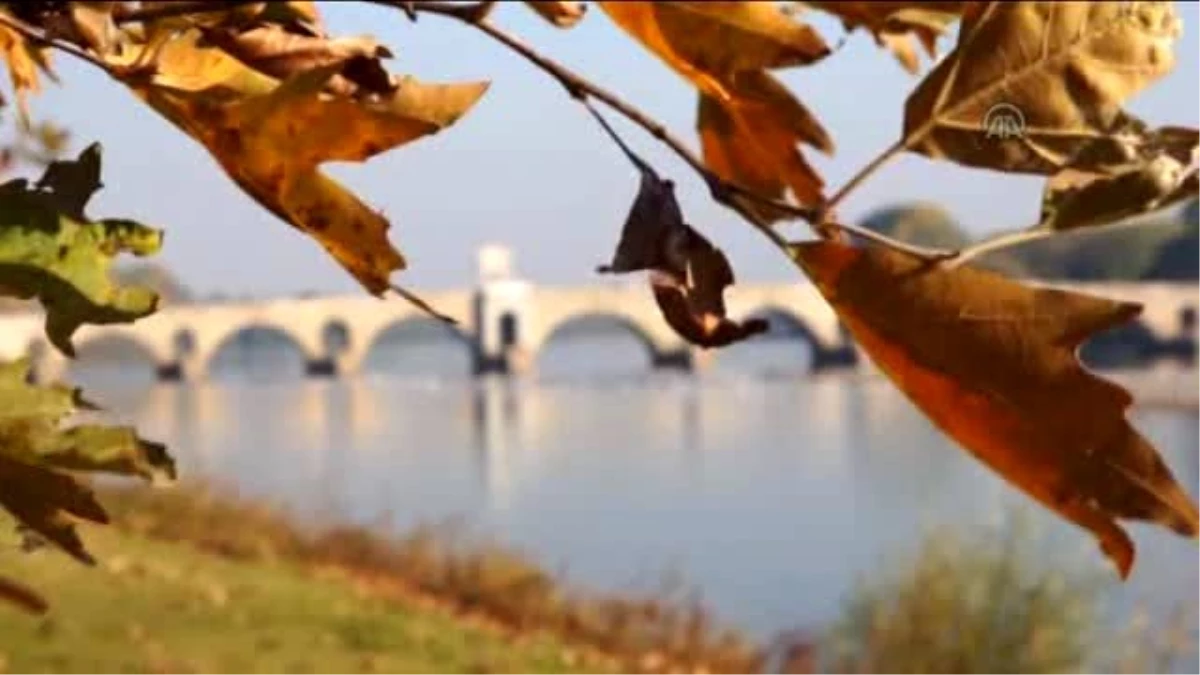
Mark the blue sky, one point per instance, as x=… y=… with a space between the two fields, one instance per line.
x=528 y=167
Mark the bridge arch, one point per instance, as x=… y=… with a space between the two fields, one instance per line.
x=363 y=346
x=787 y=328
x=641 y=353
x=309 y=347
x=119 y=354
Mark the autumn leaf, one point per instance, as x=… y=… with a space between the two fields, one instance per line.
x=993 y=363
x=272 y=50
x=50 y=251
x=271 y=138
x=31 y=431
x=688 y=275
x=35 y=447
x=24 y=61
x=752 y=142
x=88 y=24
x=557 y=12
x=1160 y=172
x=897 y=25
x=1065 y=68
x=750 y=125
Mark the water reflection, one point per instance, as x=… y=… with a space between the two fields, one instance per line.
x=771 y=494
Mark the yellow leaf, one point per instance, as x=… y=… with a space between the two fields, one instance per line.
x=24 y=60
x=272 y=50
x=896 y=24
x=272 y=142
x=993 y=364
x=710 y=43
x=1063 y=69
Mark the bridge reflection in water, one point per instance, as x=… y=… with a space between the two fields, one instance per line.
x=751 y=484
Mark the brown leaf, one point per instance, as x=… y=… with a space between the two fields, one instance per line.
x=749 y=123
x=46 y=500
x=896 y=25
x=1160 y=174
x=687 y=273
x=751 y=141
x=272 y=50
x=993 y=364
x=271 y=139
x=557 y=12
x=1063 y=69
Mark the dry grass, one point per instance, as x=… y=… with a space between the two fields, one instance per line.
x=479 y=580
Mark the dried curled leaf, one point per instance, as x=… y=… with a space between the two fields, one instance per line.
x=1055 y=74
x=896 y=25
x=271 y=138
x=687 y=273
x=275 y=51
x=563 y=14
x=750 y=125
x=993 y=364
x=1160 y=172
x=51 y=251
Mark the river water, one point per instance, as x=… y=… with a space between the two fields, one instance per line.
x=769 y=490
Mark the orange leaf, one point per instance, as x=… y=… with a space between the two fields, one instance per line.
x=993 y=364
x=749 y=123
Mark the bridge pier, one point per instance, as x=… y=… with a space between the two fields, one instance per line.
x=843 y=356
x=511 y=361
x=687 y=359
x=324 y=367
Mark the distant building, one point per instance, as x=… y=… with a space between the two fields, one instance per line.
x=495 y=263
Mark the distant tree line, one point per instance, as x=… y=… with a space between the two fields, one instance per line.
x=1161 y=247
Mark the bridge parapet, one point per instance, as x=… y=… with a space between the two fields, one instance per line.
x=506 y=322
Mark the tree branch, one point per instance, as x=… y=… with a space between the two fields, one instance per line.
x=1000 y=241
x=166 y=10
x=722 y=191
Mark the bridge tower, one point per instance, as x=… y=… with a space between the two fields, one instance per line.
x=503 y=308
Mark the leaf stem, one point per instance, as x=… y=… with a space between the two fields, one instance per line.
x=863 y=174
x=582 y=89
x=1000 y=241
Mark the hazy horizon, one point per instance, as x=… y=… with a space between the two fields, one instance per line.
x=528 y=167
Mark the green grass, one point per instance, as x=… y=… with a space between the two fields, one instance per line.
x=162 y=607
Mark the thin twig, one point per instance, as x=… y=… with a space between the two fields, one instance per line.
x=723 y=191
x=581 y=89
x=863 y=173
x=1003 y=240
x=35 y=35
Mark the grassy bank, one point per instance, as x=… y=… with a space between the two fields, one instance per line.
x=478 y=584
x=165 y=607
x=195 y=580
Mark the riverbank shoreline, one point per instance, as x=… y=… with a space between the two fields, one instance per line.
x=485 y=585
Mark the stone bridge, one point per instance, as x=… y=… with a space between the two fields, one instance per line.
x=505 y=322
